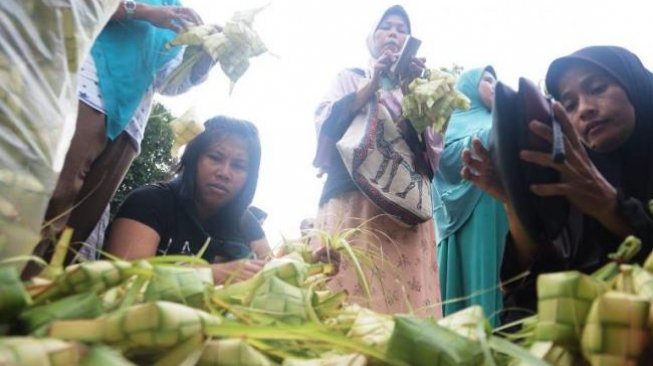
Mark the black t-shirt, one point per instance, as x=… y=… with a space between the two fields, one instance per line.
x=160 y=207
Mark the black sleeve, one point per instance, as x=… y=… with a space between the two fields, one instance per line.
x=637 y=216
x=148 y=205
x=340 y=118
x=250 y=228
x=519 y=291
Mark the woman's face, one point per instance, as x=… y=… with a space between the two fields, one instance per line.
x=486 y=89
x=597 y=107
x=390 y=35
x=221 y=172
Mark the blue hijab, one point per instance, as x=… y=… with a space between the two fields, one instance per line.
x=454 y=199
x=127 y=56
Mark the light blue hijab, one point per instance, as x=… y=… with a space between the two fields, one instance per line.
x=454 y=199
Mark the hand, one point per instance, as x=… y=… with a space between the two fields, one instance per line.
x=382 y=65
x=417 y=66
x=415 y=70
x=171 y=17
x=580 y=181
x=325 y=255
x=479 y=170
x=239 y=270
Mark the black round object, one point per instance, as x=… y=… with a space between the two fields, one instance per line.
x=542 y=217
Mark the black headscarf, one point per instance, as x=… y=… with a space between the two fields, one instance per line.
x=586 y=242
x=629 y=168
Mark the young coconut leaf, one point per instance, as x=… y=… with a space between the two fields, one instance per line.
x=423 y=342
x=80 y=306
x=13 y=296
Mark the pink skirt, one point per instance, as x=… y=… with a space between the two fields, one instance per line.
x=399 y=262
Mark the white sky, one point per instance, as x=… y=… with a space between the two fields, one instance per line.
x=316 y=39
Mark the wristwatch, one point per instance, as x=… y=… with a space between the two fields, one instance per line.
x=130 y=8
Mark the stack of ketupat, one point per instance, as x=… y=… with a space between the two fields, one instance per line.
x=167 y=311
x=601 y=319
x=432 y=99
x=160 y=312
x=232 y=46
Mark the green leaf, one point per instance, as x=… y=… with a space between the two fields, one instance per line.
x=423 y=342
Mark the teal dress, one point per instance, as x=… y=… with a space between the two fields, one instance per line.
x=127 y=56
x=471 y=226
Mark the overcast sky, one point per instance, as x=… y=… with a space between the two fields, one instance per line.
x=313 y=40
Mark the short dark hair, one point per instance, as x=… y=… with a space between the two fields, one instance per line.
x=215 y=129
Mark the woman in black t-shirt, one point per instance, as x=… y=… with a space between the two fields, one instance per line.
x=208 y=199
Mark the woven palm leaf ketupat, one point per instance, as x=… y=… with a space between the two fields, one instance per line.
x=553 y=354
x=28 y=351
x=617 y=330
x=431 y=100
x=185 y=285
x=90 y=276
x=232 y=46
x=152 y=324
x=231 y=352
x=564 y=300
x=466 y=322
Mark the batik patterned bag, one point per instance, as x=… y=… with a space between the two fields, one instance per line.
x=382 y=164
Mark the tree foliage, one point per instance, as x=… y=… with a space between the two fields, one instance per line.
x=155 y=162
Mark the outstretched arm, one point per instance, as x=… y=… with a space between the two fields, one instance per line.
x=169 y=17
x=479 y=170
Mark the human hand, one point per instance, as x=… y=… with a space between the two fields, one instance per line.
x=382 y=65
x=479 y=169
x=171 y=17
x=238 y=270
x=580 y=181
x=415 y=70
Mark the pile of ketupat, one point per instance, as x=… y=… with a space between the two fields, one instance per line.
x=167 y=311
x=605 y=318
x=232 y=46
x=432 y=99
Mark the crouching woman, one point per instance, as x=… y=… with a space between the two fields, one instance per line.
x=207 y=200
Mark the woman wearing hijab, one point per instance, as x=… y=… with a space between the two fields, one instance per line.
x=402 y=267
x=471 y=225
x=605 y=108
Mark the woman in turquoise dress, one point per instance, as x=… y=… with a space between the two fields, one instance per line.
x=471 y=225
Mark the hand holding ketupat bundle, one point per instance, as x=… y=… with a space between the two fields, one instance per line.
x=432 y=99
x=231 y=46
